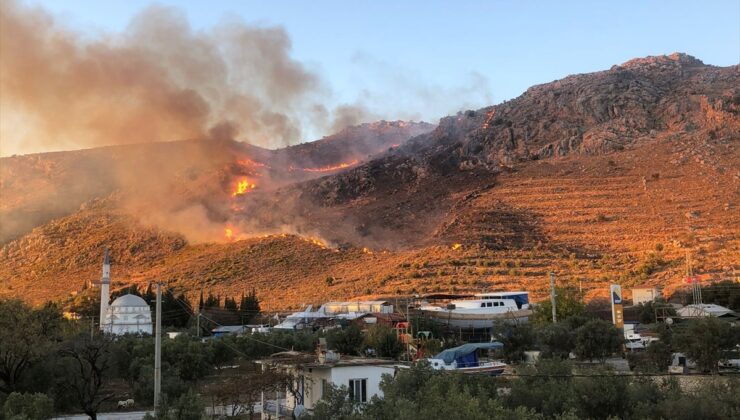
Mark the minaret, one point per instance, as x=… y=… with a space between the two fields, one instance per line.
x=104 y=290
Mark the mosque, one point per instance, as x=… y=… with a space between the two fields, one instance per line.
x=128 y=314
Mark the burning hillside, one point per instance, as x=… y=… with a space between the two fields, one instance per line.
x=192 y=187
x=609 y=176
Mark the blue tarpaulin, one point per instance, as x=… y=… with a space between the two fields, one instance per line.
x=520 y=299
x=466 y=354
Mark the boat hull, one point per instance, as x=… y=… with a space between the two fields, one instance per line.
x=457 y=319
x=482 y=370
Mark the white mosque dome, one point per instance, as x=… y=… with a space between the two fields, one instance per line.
x=132 y=301
x=129 y=314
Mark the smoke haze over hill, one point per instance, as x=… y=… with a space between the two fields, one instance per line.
x=162 y=80
x=158 y=80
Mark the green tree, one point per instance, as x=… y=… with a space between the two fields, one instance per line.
x=516 y=338
x=212 y=302
x=555 y=340
x=345 y=341
x=28 y=407
x=725 y=293
x=648 y=311
x=230 y=304
x=201 y=302
x=26 y=336
x=383 y=340
x=249 y=306
x=84 y=372
x=705 y=340
x=175 y=308
x=656 y=358
x=189 y=357
x=420 y=393
x=545 y=388
x=601 y=396
x=568 y=303
x=597 y=339
x=336 y=405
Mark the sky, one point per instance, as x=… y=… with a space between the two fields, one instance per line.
x=427 y=59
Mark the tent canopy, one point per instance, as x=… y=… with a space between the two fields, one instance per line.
x=450 y=355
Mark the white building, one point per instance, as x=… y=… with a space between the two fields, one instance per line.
x=104 y=290
x=645 y=293
x=361 y=376
x=129 y=314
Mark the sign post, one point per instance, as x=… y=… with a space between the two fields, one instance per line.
x=615 y=292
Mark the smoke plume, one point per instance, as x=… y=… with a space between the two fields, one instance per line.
x=157 y=80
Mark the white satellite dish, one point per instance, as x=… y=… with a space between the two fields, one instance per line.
x=669 y=321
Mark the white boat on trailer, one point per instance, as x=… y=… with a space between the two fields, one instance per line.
x=481 y=311
x=464 y=359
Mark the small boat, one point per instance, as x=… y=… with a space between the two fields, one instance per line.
x=482 y=310
x=464 y=359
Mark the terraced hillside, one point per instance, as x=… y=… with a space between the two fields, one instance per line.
x=615 y=176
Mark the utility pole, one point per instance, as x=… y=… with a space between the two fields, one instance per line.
x=158 y=349
x=552 y=297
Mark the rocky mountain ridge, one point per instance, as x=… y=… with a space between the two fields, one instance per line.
x=603 y=177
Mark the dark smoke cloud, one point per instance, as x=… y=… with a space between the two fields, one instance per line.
x=161 y=80
x=158 y=80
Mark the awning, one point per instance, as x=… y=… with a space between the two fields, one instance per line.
x=449 y=355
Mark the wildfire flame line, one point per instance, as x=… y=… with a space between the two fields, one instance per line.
x=330 y=168
x=250 y=162
x=489 y=117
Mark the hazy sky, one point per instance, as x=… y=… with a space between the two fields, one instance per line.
x=426 y=59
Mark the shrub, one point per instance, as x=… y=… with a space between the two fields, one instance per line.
x=345 y=341
x=188 y=406
x=597 y=339
x=383 y=340
x=652 y=263
x=28 y=406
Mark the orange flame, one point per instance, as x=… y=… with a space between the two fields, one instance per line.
x=316 y=241
x=243 y=187
x=489 y=117
x=456 y=246
x=342 y=165
x=250 y=162
x=229 y=233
